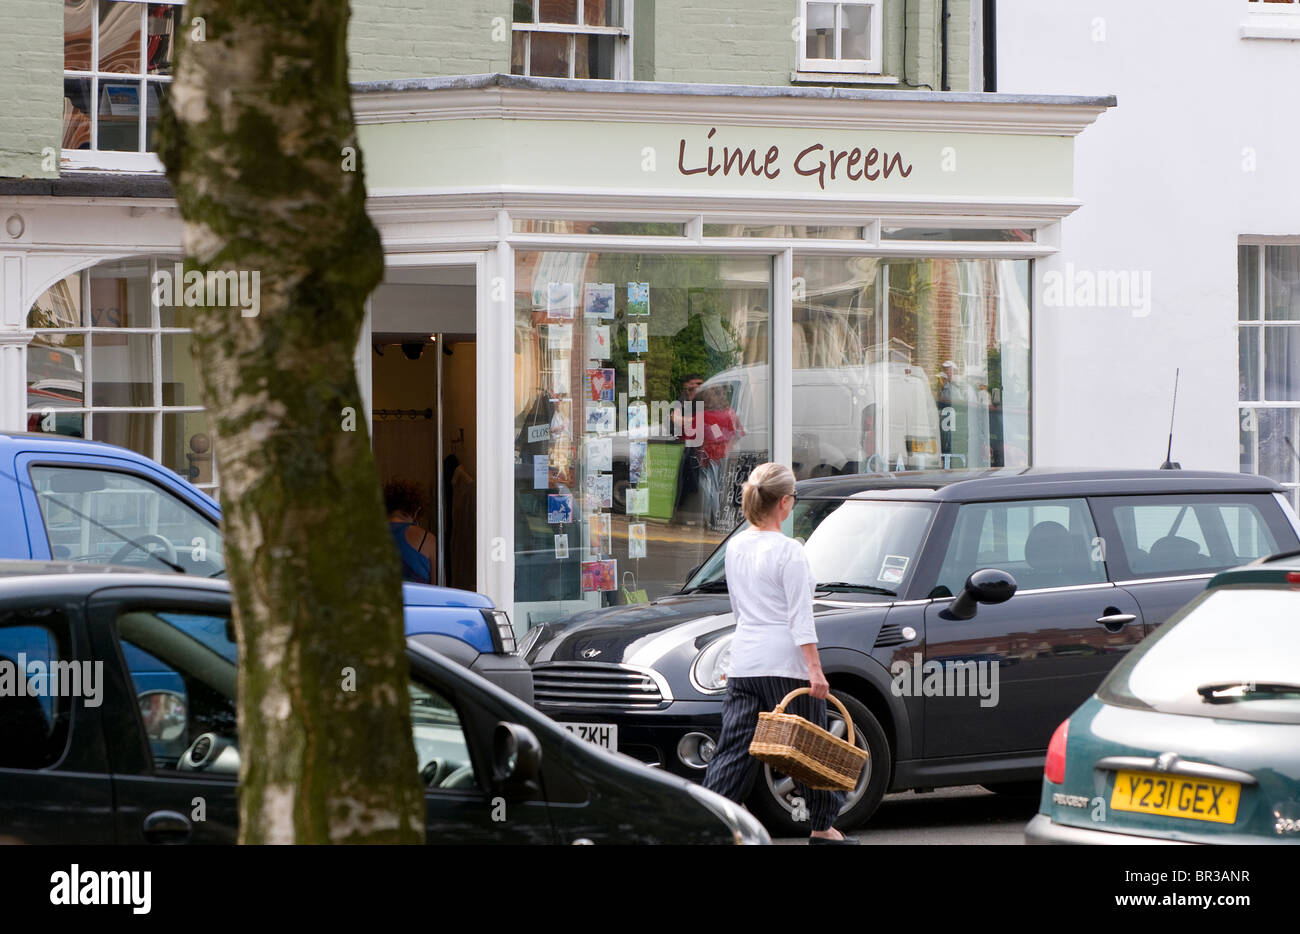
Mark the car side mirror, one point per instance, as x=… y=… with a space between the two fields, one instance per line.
x=516 y=757
x=987 y=585
x=691 y=573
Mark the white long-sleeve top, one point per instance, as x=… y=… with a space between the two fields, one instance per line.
x=771 y=585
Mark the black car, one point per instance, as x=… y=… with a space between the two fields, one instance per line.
x=949 y=678
x=143 y=725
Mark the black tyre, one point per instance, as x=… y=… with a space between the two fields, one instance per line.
x=772 y=802
x=1016 y=789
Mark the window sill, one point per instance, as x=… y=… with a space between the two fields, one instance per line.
x=831 y=77
x=1285 y=25
x=85 y=160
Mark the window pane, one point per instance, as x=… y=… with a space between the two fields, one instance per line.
x=523 y=11
x=785 y=231
x=1248 y=283
x=180 y=380
x=59 y=306
x=77 y=24
x=603 y=12
x=56 y=376
x=518 y=52
x=122 y=367
x=958 y=234
x=820 y=30
x=558 y=11
x=855 y=38
x=90 y=514
x=76 y=113
x=120 y=295
x=550 y=55
x=187 y=445
x=34 y=722
x=162 y=37
x=1282 y=364
x=642 y=386
x=440 y=748
x=935 y=376
x=1046 y=543
x=1247 y=531
x=594 y=57
x=1247 y=364
x=119 y=116
x=157 y=94
x=131 y=430
x=1282 y=283
x=1269 y=440
x=604 y=228
x=119 y=37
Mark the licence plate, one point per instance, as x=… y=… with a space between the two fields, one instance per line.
x=602 y=734
x=1176 y=796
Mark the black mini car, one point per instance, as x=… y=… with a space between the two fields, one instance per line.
x=141 y=725
x=960 y=617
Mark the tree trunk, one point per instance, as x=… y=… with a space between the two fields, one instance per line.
x=260 y=147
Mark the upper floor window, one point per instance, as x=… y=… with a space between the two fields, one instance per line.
x=842 y=37
x=1260 y=23
x=117 y=66
x=572 y=39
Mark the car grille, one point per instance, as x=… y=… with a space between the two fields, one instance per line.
x=589 y=685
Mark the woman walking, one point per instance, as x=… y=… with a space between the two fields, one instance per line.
x=774 y=649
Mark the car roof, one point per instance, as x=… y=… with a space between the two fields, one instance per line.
x=1031 y=483
x=32 y=578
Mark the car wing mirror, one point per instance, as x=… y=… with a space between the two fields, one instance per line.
x=987 y=585
x=516 y=757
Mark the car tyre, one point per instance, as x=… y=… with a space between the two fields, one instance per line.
x=770 y=801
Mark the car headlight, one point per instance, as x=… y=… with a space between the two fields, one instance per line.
x=500 y=621
x=745 y=828
x=530 y=639
x=709 y=671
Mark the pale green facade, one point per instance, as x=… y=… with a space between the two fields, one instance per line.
x=693 y=41
x=31 y=88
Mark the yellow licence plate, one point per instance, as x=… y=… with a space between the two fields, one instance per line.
x=1176 y=796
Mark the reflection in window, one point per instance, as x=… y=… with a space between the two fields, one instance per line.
x=909 y=364
x=641 y=405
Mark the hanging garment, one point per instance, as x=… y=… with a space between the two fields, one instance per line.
x=462 y=571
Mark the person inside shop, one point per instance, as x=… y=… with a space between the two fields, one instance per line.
x=720 y=432
x=682 y=424
x=946 y=396
x=417 y=547
x=774 y=650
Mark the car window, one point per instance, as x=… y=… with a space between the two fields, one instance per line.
x=1188 y=667
x=440 y=747
x=1041 y=543
x=37 y=684
x=93 y=515
x=1195 y=534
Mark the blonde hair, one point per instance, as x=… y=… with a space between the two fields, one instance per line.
x=766 y=485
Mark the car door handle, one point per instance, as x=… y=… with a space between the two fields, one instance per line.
x=1116 y=619
x=166 y=827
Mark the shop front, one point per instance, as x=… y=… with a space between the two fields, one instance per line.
x=607 y=302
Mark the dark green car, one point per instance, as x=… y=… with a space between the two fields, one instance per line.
x=1195 y=736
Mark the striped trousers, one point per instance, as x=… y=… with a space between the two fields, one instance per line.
x=732 y=770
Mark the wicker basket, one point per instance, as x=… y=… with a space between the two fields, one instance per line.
x=805 y=752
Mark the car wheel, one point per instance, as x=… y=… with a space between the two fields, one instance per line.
x=773 y=798
x=1016 y=789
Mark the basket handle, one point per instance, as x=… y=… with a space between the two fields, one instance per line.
x=848 y=721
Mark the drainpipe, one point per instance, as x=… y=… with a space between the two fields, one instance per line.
x=990 y=46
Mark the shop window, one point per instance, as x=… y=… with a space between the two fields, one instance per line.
x=909 y=364
x=642 y=402
x=117 y=69
x=572 y=39
x=108 y=363
x=1268 y=362
x=842 y=37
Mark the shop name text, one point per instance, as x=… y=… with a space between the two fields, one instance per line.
x=815 y=161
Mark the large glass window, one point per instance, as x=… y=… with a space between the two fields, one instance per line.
x=909 y=364
x=571 y=39
x=117 y=68
x=99 y=329
x=1268 y=363
x=641 y=405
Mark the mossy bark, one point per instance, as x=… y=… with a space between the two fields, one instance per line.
x=256 y=139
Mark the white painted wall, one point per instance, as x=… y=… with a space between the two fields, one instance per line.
x=1164 y=192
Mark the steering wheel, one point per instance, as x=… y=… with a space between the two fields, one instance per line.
x=169 y=550
x=434 y=771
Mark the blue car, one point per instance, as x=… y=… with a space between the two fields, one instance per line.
x=70 y=500
x=1195 y=736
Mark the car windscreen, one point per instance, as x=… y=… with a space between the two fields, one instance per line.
x=853 y=545
x=1233 y=653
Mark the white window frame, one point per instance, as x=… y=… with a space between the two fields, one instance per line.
x=1276 y=20
x=846 y=66
x=141 y=160
x=622 y=38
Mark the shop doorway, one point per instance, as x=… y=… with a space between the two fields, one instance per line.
x=424 y=410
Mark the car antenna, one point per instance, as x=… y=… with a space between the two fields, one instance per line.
x=1170 y=464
